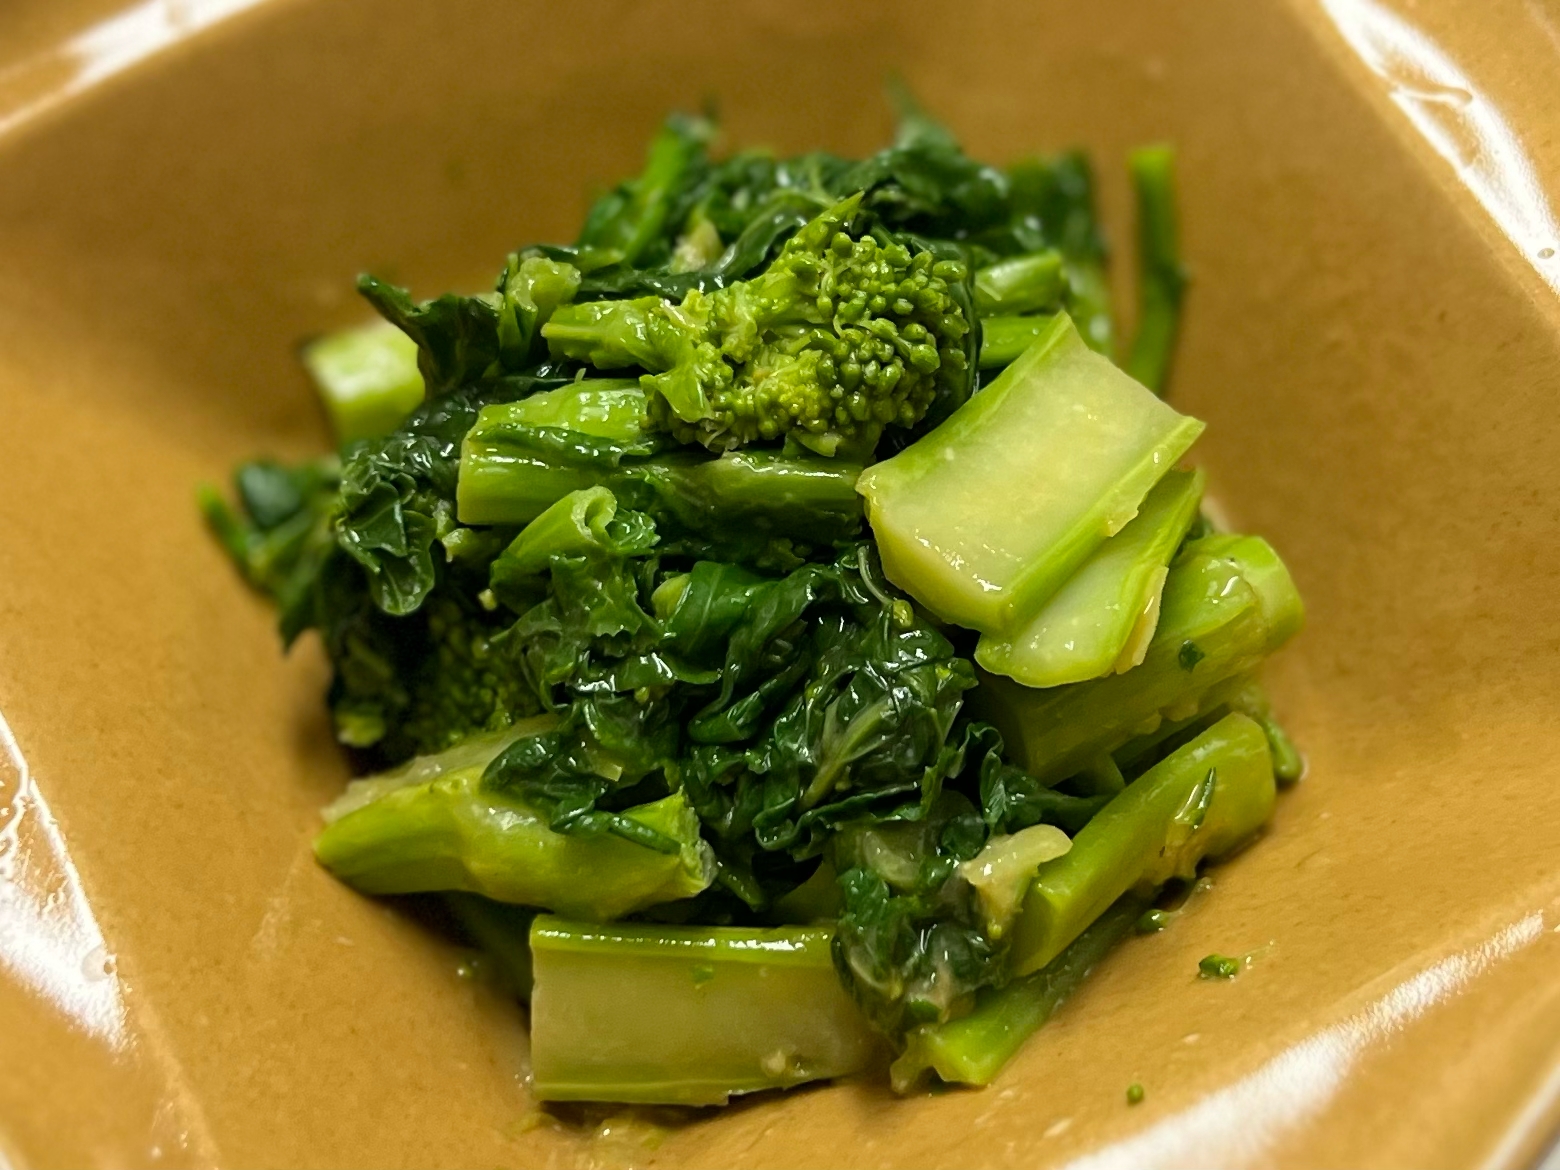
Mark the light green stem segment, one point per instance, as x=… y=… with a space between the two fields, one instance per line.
x=508 y=477
x=686 y=1015
x=1021 y=284
x=1103 y=618
x=1227 y=604
x=367 y=379
x=1161 y=279
x=801 y=495
x=986 y=517
x=412 y=831
x=1204 y=800
x=973 y=1049
x=1003 y=339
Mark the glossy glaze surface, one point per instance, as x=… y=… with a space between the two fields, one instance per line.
x=1373 y=337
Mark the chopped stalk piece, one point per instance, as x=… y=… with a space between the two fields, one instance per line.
x=519 y=459
x=1214 y=704
x=1231 y=595
x=522 y=457
x=1021 y=284
x=449 y=833
x=1004 y=339
x=1104 y=617
x=985 y=518
x=972 y=1050
x=805 y=496
x=1203 y=801
x=1101 y=778
x=533 y=287
x=511 y=475
x=686 y=1015
x=474 y=753
x=606 y=408
x=367 y=379
x=1161 y=279
x=1141 y=634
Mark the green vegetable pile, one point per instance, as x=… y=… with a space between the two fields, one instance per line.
x=781 y=589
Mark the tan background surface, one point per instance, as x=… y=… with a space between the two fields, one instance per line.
x=1373 y=345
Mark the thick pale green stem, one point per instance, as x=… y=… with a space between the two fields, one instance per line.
x=1002 y=339
x=1103 y=619
x=367 y=379
x=1227 y=604
x=605 y=408
x=686 y=1015
x=972 y=1050
x=1021 y=284
x=518 y=461
x=986 y=517
x=1204 y=800
x=804 y=496
x=449 y=833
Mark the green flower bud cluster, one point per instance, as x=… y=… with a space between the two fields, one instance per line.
x=465 y=685
x=830 y=344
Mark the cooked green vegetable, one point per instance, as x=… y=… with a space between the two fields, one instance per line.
x=1000 y=873
x=1003 y=339
x=367 y=378
x=686 y=1015
x=1288 y=764
x=840 y=336
x=1229 y=594
x=282 y=535
x=610 y=627
x=1101 y=620
x=971 y=1050
x=1218 y=967
x=1023 y=284
x=1203 y=800
x=405 y=833
x=1153 y=921
x=1065 y=441
x=512 y=470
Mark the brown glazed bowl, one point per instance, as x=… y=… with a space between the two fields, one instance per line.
x=187 y=188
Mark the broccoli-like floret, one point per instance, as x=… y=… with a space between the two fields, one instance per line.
x=846 y=332
x=463 y=684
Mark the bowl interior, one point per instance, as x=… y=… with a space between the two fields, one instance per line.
x=1377 y=371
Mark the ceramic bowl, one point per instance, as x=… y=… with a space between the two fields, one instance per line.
x=187 y=190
